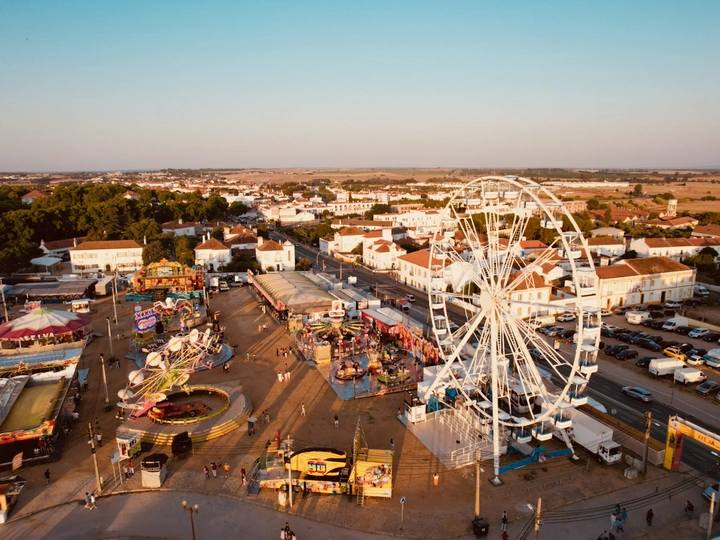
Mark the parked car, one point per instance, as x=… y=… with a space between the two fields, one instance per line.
x=567 y=335
x=554 y=331
x=637 y=393
x=536 y=354
x=606 y=332
x=669 y=312
x=566 y=317
x=627 y=354
x=708 y=493
x=685 y=347
x=611 y=327
x=707 y=387
x=683 y=330
x=698 y=333
x=625 y=338
x=605 y=313
x=622 y=310
x=656 y=339
x=674 y=352
x=696 y=353
x=615 y=349
x=665 y=343
x=649 y=345
x=637 y=337
x=644 y=361
x=655 y=324
x=673 y=305
x=711 y=336
x=409 y=297
x=694 y=302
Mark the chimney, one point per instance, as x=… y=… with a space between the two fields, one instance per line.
x=260 y=241
x=74 y=242
x=180 y=221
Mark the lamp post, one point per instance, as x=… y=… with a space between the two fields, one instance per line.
x=191 y=510
x=104 y=378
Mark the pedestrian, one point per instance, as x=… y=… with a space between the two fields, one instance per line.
x=250 y=427
x=117 y=363
x=131 y=467
x=392 y=444
x=280 y=376
x=613 y=519
x=623 y=515
x=254 y=356
x=689 y=509
x=98 y=436
x=302 y=410
x=620 y=524
x=207 y=472
x=605 y=535
x=649 y=516
x=226 y=367
x=503 y=526
x=87 y=500
x=219 y=463
x=337 y=421
x=287 y=376
x=243 y=476
x=97 y=424
x=213 y=468
x=277 y=352
x=226 y=468
x=125 y=471
x=248 y=356
x=399 y=412
x=287 y=528
x=285 y=369
x=47 y=477
x=259 y=328
x=266 y=417
x=92 y=502
x=617 y=509
x=504 y=536
x=282 y=534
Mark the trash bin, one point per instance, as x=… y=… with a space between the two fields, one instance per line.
x=480 y=527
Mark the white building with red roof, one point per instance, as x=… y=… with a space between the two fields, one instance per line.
x=31 y=197
x=273 y=256
x=181 y=228
x=106 y=255
x=675 y=248
x=213 y=254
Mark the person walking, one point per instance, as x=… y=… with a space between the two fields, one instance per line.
x=207 y=472
x=392 y=444
x=337 y=421
x=226 y=367
x=131 y=467
x=92 y=501
x=125 y=471
x=87 y=500
x=689 y=508
x=623 y=515
x=302 y=410
x=613 y=519
x=277 y=352
x=47 y=477
x=287 y=376
x=504 y=521
x=243 y=476
x=213 y=468
x=280 y=376
x=620 y=524
x=649 y=516
x=226 y=469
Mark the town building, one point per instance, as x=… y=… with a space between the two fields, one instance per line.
x=212 y=254
x=240 y=238
x=706 y=231
x=272 y=256
x=181 y=228
x=605 y=246
x=31 y=197
x=107 y=255
x=642 y=281
x=60 y=248
x=418 y=269
x=675 y=248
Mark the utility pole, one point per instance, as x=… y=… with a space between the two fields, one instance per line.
x=710 y=517
x=91 y=434
x=647 y=420
x=538 y=519
x=477 y=483
x=104 y=378
x=114 y=293
x=112 y=355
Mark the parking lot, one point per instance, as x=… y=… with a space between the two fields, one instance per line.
x=622 y=346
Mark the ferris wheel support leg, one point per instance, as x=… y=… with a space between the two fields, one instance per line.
x=494 y=371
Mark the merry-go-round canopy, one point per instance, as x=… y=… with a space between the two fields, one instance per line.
x=44 y=322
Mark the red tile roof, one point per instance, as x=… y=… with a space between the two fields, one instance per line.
x=603 y=241
x=269 y=245
x=351 y=231
x=53 y=245
x=178 y=225
x=212 y=245
x=421 y=258
x=707 y=230
x=655 y=265
x=34 y=194
x=107 y=244
x=615 y=271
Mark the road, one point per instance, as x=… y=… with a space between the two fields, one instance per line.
x=601 y=388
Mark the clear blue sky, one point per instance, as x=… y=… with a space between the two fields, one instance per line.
x=114 y=85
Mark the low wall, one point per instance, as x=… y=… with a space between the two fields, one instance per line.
x=711 y=288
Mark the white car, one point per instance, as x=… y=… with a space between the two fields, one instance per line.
x=698 y=332
x=605 y=312
x=673 y=305
x=566 y=317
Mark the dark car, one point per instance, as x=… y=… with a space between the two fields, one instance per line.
x=669 y=312
x=711 y=336
x=536 y=354
x=692 y=302
x=665 y=343
x=554 y=331
x=625 y=337
x=615 y=349
x=649 y=345
x=606 y=332
x=656 y=339
x=627 y=354
x=644 y=361
x=683 y=330
x=685 y=347
x=654 y=324
x=637 y=337
x=567 y=335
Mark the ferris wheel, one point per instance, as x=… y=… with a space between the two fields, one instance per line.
x=487 y=278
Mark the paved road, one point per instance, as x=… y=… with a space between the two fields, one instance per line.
x=160 y=515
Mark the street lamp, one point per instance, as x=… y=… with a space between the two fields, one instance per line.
x=191 y=510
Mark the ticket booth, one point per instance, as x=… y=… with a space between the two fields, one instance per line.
x=128 y=443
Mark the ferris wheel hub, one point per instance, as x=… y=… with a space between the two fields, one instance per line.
x=486 y=301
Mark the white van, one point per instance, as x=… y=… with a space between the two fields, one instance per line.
x=637 y=317
x=542 y=320
x=699 y=290
x=689 y=375
x=671 y=324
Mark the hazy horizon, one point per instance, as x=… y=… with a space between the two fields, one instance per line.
x=334 y=85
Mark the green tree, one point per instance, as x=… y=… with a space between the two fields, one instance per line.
x=184 y=250
x=378 y=209
x=145 y=229
x=637 y=191
x=238 y=208
x=154 y=252
x=303 y=265
x=607 y=217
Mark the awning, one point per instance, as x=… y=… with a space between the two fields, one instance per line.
x=45 y=261
x=385 y=316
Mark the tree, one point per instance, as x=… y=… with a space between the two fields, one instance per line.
x=303 y=265
x=238 y=209
x=184 y=250
x=154 y=252
x=378 y=209
x=707 y=250
x=638 y=190
x=607 y=217
x=142 y=230
x=630 y=254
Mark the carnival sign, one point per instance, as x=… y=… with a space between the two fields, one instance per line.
x=145 y=320
x=316 y=467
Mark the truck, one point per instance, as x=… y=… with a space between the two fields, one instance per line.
x=104 y=286
x=637 y=317
x=672 y=324
x=593 y=436
x=542 y=320
x=396 y=301
x=661 y=367
x=689 y=375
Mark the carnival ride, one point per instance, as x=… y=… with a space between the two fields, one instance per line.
x=489 y=374
x=168 y=368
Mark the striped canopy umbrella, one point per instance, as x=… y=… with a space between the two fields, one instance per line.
x=43 y=322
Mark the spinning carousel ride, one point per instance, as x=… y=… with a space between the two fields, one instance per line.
x=168 y=369
x=492 y=360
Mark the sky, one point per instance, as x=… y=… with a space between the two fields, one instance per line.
x=321 y=84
